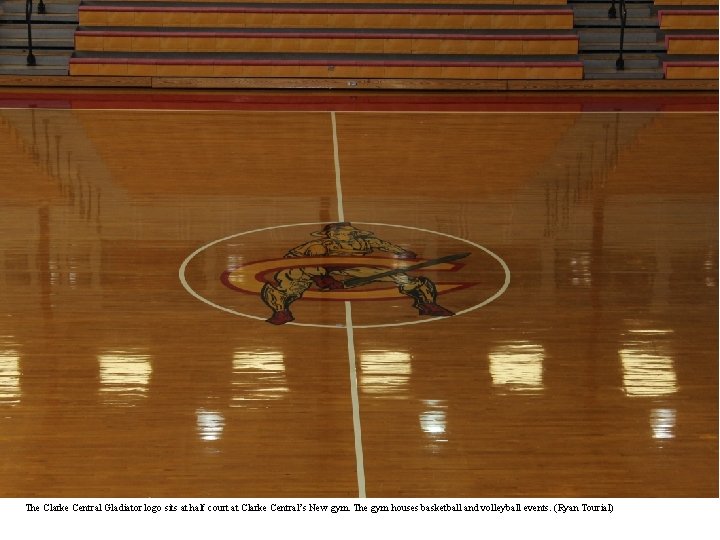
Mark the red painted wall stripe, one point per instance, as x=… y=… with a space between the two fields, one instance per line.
x=268 y=62
x=319 y=35
x=337 y=10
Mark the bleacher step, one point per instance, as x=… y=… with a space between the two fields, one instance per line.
x=33 y=70
x=604 y=35
x=629 y=2
x=599 y=10
x=634 y=74
x=19 y=30
x=13 y=11
x=600 y=22
x=69 y=7
x=45 y=58
x=328 y=66
x=657 y=47
x=604 y=61
x=14 y=62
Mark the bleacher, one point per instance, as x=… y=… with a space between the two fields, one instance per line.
x=403 y=40
x=374 y=40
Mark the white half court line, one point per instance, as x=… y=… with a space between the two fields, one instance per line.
x=336 y=155
x=359 y=460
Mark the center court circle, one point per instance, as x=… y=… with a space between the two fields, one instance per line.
x=182 y=274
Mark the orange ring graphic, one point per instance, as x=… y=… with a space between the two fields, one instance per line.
x=250 y=278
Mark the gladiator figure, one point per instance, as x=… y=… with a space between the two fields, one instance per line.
x=344 y=240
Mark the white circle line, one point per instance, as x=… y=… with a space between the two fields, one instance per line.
x=189 y=289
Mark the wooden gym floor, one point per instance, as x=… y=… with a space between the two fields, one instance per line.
x=582 y=361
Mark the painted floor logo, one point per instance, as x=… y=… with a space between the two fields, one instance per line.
x=349 y=262
x=337 y=262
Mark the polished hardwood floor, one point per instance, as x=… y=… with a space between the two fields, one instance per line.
x=135 y=360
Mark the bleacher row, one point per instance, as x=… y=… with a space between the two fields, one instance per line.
x=455 y=39
x=691 y=32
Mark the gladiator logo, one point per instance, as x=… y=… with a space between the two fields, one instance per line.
x=345 y=263
x=393 y=275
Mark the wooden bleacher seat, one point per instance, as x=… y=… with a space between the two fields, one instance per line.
x=691 y=42
x=324 y=15
x=283 y=40
x=688 y=18
x=686 y=3
x=326 y=66
x=690 y=67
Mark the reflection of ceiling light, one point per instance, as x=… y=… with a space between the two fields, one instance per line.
x=647 y=371
x=382 y=362
x=662 y=422
x=210 y=425
x=257 y=376
x=234 y=261
x=433 y=422
x=384 y=372
x=9 y=376
x=518 y=366
x=651 y=332
x=580 y=270
x=711 y=279
x=247 y=361
x=125 y=375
